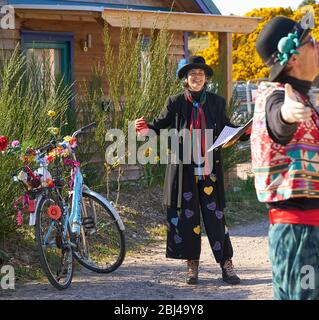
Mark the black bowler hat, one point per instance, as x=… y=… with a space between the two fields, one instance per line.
x=195 y=62
x=277 y=41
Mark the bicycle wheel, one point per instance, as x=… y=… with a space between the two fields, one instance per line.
x=101 y=245
x=55 y=252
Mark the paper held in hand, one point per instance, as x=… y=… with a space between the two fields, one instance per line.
x=230 y=135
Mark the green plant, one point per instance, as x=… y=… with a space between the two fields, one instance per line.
x=140 y=75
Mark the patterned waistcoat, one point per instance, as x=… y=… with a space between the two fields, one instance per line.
x=284 y=172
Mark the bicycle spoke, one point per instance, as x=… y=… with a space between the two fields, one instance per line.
x=102 y=246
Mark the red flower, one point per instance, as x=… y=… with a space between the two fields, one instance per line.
x=50 y=183
x=54 y=212
x=3 y=143
x=50 y=159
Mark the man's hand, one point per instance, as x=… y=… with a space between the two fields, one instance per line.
x=141 y=126
x=292 y=110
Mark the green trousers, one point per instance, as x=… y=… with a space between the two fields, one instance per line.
x=294 y=256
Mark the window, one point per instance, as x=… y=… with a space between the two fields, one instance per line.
x=52 y=51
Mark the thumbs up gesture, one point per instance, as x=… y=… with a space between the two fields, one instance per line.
x=292 y=110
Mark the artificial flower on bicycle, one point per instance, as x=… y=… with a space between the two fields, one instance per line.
x=38 y=169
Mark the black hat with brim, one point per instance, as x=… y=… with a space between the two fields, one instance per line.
x=195 y=62
x=269 y=37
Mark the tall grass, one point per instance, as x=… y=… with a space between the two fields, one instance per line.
x=140 y=74
x=27 y=93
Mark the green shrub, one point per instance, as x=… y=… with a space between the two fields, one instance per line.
x=27 y=93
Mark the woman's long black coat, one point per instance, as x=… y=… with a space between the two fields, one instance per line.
x=176 y=115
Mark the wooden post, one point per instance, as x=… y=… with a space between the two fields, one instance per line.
x=225 y=64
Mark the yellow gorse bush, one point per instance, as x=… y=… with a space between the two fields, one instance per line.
x=246 y=61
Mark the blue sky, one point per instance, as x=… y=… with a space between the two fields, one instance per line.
x=240 y=7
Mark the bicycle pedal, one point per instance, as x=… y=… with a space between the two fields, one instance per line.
x=88 y=223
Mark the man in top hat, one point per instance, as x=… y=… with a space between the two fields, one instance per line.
x=285 y=156
x=189 y=188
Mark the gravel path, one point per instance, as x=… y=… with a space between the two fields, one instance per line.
x=149 y=275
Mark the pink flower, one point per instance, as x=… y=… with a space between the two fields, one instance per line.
x=68 y=162
x=3 y=143
x=19 y=218
x=15 y=144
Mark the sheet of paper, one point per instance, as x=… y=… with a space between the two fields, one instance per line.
x=226 y=134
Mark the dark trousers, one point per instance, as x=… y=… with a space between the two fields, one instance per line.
x=184 y=227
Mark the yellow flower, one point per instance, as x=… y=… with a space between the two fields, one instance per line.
x=147 y=152
x=53 y=153
x=54 y=131
x=67 y=138
x=65 y=153
x=51 y=113
x=157 y=159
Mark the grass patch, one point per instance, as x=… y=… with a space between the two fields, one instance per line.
x=19 y=250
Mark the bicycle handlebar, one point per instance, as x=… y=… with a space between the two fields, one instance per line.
x=83 y=129
x=87 y=127
x=49 y=146
x=53 y=143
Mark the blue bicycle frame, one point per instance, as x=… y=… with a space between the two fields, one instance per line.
x=75 y=217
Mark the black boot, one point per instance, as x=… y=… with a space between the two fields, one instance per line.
x=192 y=271
x=229 y=274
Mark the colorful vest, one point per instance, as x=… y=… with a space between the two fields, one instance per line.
x=284 y=172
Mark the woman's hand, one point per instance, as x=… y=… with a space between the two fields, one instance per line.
x=141 y=126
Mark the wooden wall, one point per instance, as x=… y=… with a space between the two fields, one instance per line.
x=8 y=41
x=84 y=61
x=8 y=38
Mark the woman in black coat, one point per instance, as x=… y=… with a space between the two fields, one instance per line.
x=189 y=188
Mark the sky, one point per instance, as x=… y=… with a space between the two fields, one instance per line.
x=240 y=7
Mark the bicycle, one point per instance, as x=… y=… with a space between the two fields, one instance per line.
x=91 y=230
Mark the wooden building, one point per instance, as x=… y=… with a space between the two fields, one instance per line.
x=71 y=31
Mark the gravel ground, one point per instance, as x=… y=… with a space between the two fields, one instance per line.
x=148 y=275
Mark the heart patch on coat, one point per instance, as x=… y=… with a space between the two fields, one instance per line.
x=213 y=177
x=197 y=230
x=219 y=214
x=217 y=246
x=177 y=239
x=189 y=213
x=211 y=206
x=174 y=221
x=208 y=190
x=187 y=196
